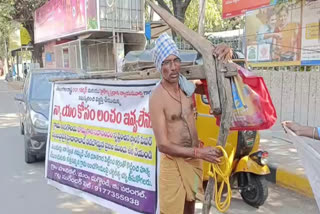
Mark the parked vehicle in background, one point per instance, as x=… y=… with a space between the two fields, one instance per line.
x=34 y=104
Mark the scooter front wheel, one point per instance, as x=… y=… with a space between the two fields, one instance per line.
x=255 y=190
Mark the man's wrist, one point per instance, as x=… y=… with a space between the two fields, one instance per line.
x=299 y=132
x=196 y=153
x=305 y=131
x=302 y=131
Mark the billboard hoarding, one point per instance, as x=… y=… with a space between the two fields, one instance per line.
x=276 y=33
x=58 y=18
x=310 y=46
x=232 y=8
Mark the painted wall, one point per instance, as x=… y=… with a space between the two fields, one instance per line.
x=295 y=95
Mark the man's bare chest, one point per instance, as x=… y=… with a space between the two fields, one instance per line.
x=178 y=111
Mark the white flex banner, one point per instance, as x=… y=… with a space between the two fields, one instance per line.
x=309 y=152
x=101 y=145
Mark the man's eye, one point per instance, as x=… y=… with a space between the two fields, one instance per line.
x=177 y=60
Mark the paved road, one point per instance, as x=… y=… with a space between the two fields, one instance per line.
x=23 y=188
x=280 y=201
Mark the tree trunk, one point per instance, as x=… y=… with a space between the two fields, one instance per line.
x=37 y=54
x=6 y=67
x=151 y=15
x=37 y=48
x=179 y=12
x=202 y=12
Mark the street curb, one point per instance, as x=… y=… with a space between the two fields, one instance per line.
x=290 y=180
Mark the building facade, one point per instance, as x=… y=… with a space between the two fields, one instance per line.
x=92 y=35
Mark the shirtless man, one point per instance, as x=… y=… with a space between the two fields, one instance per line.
x=173 y=122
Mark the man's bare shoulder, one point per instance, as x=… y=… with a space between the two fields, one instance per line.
x=156 y=95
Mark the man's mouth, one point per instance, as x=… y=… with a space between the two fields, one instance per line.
x=174 y=75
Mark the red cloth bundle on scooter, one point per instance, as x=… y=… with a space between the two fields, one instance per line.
x=252 y=104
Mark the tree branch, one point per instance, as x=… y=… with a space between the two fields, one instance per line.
x=164 y=5
x=186 y=4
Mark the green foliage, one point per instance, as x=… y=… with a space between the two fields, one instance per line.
x=16 y=10
x=5 y=25
x=20 y=11
x=213 y=18
x=5 y=17
x=24 y=10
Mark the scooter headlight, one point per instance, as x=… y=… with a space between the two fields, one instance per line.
x=264 y=158
x=261 y=157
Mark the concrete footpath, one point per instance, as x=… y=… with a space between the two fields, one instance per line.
x=284 y=163
x=15 y=85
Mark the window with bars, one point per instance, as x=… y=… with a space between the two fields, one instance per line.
x=123 y=15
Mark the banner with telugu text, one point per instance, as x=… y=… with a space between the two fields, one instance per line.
x=101 y=145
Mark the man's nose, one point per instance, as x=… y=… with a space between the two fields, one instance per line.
x=173 y=65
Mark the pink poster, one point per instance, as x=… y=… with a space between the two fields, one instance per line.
x=58 y=18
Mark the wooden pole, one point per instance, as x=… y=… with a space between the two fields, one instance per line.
x=190 y=72
x=224 y=86
x=219 y=87
x=203 y=46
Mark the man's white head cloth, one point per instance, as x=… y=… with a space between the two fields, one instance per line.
x=164 y=47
